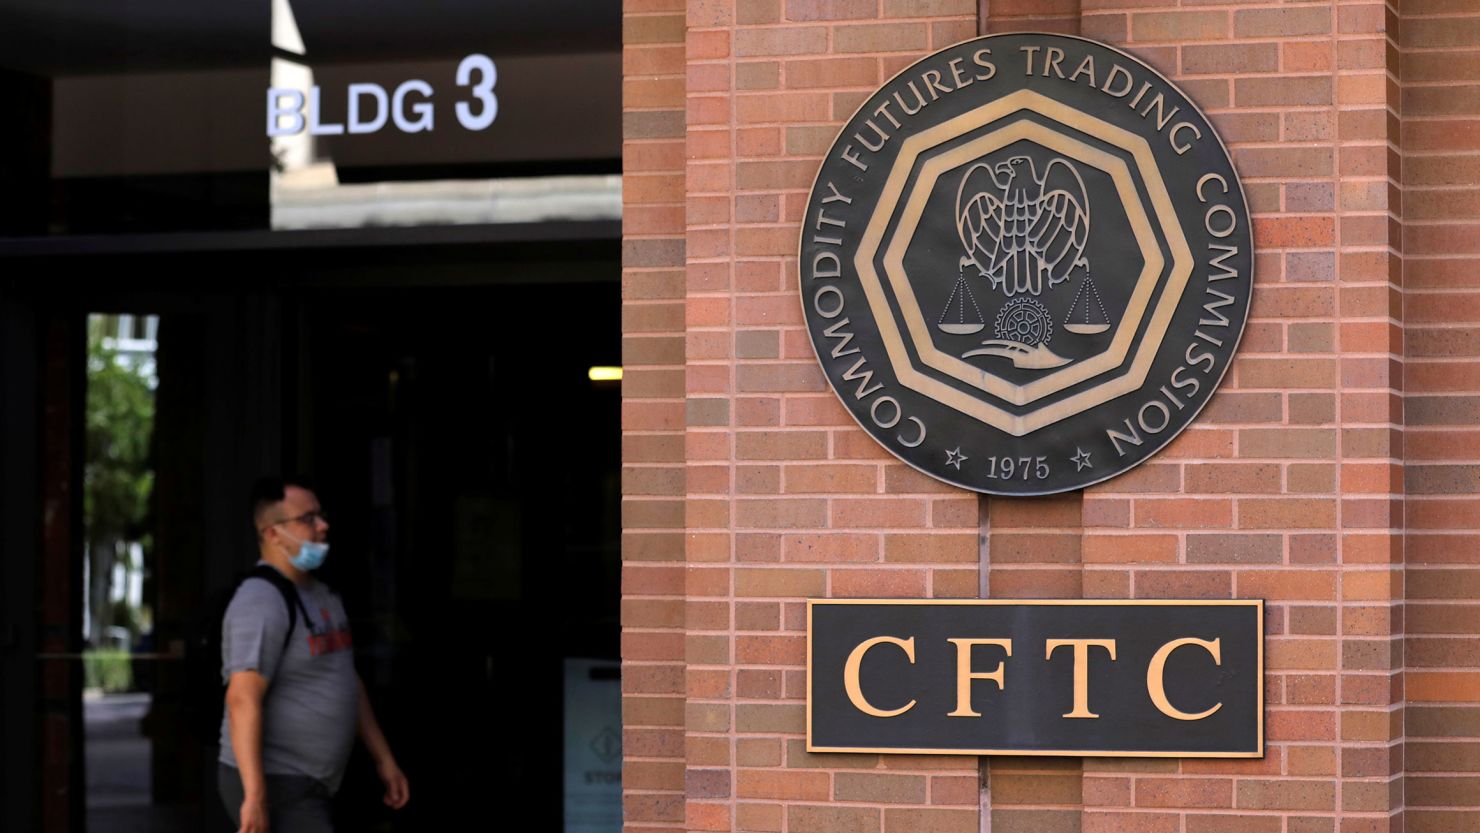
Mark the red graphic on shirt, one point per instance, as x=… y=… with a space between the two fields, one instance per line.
x=331 y=639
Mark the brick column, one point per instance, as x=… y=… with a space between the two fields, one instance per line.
x=1288 y=486
x=747 y=488
x=653 y=588
x=1441 y=280
x=787 y=497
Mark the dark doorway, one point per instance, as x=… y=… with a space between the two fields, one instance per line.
x=471 y=466
x=442 y=402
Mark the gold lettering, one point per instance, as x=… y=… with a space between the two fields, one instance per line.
x=1081 y=668
x=1227 y=271
x=1211 y=308
x=957 y=75
x=886 y=422
x=1166 y=418
x=1203 y=180
x=1134 y=437
x=1086 y=67
x=1156 y=672
x=919 y=100
x=991 y=68
x=1110 y=81
x=918 y=439
x=1196 y=360
x=1136 y=102
x=1162 y=116
x=1028 y=51
x=964 y=674
x=836 y=195
x=1226 y=226
x=828 y=312
x=1190 y=382
x=884 y=111
x=837 y=331
x=1216 y=342
x=1052 y=59
x=1185 y=146
x=932 y=79
x=883 y=137
x=864 y=379
x=855 y=661
x=1173 y=397
x=832 y=269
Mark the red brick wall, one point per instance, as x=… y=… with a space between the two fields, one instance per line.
x=747 y=488
x=1441 y=233
x=1288 y=487
x=653 y=591
x=787 y=498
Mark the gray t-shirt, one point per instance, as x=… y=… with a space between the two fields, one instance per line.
x=309 y=711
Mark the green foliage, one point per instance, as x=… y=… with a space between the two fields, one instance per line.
x=109 y=669
x=117 y=472
x=117 y=479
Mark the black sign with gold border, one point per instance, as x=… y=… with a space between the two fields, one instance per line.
x=1113 y=677
x=1026 y=263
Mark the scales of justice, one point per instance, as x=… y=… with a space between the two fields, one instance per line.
x=1025 y=233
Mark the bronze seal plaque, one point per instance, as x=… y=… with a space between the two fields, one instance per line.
x=1026 y=263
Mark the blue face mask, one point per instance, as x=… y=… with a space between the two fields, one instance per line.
x=310 y=557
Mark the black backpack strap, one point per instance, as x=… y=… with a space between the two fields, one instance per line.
x=291 y=599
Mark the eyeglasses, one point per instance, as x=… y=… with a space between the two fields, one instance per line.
x=309 y=519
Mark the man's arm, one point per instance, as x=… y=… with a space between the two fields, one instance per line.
x=397 y=791
x=244 y=711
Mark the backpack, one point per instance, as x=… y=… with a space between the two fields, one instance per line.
x=205 y=693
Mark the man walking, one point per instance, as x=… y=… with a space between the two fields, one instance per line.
x=293 y=700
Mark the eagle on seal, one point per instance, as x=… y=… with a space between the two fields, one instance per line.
x=1023 y=232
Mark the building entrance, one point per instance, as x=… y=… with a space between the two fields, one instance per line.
x=442 y=401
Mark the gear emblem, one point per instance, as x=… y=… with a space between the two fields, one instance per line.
x=1024 y=320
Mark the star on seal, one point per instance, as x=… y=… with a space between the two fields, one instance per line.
x=1081 y=459
x=955 y=458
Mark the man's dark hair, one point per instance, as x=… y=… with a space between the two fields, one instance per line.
x=270 y=491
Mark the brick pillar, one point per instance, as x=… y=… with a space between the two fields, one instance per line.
x=1287 y=487
x=787 y=497
x=1030 y=16
x=653 y=572
x=1441 y=258
x=747 y=488
x=1370 y=479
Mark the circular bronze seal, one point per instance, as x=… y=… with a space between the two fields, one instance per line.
x=1026 y=263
